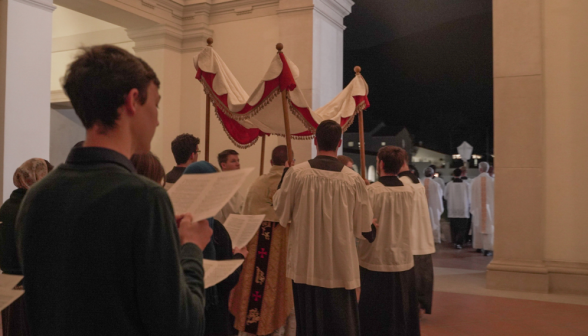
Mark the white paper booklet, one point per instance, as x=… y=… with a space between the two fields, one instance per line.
x=217 y=271
x=204 y=195
x=242 y=228
x=7 y=294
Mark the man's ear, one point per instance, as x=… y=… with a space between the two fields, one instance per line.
x=192 y=156
x=131 y=101
x=340 y=142
x=315 y=142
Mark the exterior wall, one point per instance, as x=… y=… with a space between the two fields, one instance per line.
x=540 y=79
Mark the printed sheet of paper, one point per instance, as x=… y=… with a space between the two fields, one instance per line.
x=204 y=195
x=217 y=271
x=242 y=228
x=7 y=294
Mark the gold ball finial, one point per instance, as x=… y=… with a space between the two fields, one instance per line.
x=357 y=69
x=279 y=46
x=209 y=41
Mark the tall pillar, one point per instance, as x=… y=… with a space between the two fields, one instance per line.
x=312 y=34
x=161 y=47
x=25 y=76
x=540 y=81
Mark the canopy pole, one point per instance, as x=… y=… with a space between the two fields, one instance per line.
x=207 y=143
x=361 y=144
x=262 y=155
x=207 y=135
x=280 y=46
x=361 y=133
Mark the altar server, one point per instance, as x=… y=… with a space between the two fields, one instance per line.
x=482 y=200
x=388 y=303
x=262 y=303
x=437 y=179
x=457 y=193
x=326 y=207
x=435 y=203
x=422 y=243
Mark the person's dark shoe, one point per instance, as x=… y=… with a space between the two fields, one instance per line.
x=478 y=250
x=488 y=253
x=458 y=247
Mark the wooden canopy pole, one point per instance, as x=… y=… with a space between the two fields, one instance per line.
x=262 y=155
x=361 y=133
x=207 y=136
x=280 y=46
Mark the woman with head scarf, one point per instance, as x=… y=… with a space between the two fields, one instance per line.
x=29 y=173
x=218 y=318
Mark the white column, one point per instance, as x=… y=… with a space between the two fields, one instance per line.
x=312 y=34
x=25 y=75
x=160 y=46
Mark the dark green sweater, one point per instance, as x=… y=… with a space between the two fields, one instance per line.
x=101 y=253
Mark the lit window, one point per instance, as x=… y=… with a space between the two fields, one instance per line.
x=350 y=144
x=383 y=144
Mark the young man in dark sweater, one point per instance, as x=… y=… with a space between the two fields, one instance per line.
x=102 y=252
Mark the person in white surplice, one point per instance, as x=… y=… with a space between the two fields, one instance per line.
x=435 y=202
x=482 y=209
x=457 y=194
x=325 y=207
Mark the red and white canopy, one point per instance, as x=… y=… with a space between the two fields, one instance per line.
x=245 y=117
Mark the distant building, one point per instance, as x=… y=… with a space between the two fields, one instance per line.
x=431 y=157
x=381 y=135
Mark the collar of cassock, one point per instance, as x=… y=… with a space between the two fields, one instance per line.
x=390 y=181
x=410 y=175
x=457 y=180
x=98 y=155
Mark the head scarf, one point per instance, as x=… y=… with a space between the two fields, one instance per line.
x=29 y=173
x=203 y=167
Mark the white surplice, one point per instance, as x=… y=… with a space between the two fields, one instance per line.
x=482 y=209
x=435 y=204
x=457 y=195
x=233 y=207
x=391 y=250
x=327 y=211
x=422 y=241
x=440 y=182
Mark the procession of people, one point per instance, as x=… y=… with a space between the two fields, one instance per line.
x=103 y=252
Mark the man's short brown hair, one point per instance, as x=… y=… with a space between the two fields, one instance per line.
x=98 y=81
x=223 y=156
x=393 y=158
x=328 y=135
x=280 y=155
x=183 y=146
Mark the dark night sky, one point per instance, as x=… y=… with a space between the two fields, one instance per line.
x=429 y=67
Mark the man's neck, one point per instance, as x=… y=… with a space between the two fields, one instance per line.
x=112 y=139
x=183 y=165
x=327 y=153
x=404 y=168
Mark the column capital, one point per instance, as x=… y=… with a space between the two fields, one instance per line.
x=166 y=37
x=46 y=5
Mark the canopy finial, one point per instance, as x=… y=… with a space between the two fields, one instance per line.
x=279 y=46
x=357 y=70
x=209 y=41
